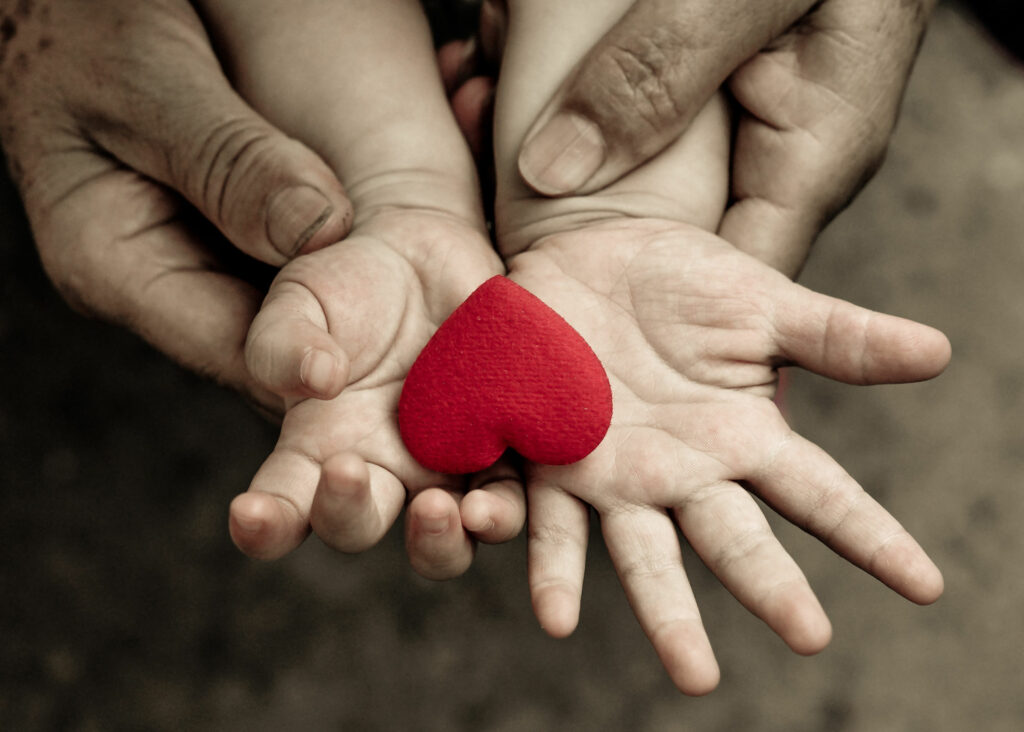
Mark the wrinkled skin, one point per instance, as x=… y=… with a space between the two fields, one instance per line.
x=118 y=126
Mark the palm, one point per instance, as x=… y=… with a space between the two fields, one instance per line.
x=691 y=331
x=376 y=298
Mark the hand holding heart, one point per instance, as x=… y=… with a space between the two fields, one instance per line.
x=367 y=305
x=691 y=332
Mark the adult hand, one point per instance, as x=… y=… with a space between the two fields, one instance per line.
x=818 y=85
x=115 y=114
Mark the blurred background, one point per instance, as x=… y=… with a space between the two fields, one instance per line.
x=124 y=605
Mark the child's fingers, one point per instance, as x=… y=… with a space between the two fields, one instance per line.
x=289 y=350
x=804 y=484
x=557 y=556
x=272 y=518
x=438 y=546
x=725 y=526
x=355 y=503
x=644 y=548
x=851 y=344
x=494 y=508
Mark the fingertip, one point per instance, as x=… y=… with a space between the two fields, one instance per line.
x=322 y=374
x=910 y=351
x=938 y=351
x=456 y=60
x=258 y=527
x=471 y=104
x=929 y=586
x=793 y=611
x=344 y=483
x=355 y=503
x=292 y=356
x=903 y=565
x=686 y=653
x=436 y=543
x=557 y=610
x=495 y=513
x=433 y=511
x=805 y=628
x=698 y=678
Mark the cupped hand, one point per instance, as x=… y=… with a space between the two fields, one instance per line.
x=691 y=332
x=336 y=336
x=818 y=86
x=118 y=125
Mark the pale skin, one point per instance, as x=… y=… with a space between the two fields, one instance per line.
x=338 y=331
x=690 y=330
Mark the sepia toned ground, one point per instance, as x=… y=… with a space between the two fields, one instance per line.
x=123 y=604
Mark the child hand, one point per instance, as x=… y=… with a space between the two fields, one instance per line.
x=691 y=332
x=335 y=337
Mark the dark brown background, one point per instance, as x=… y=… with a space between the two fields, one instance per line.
x=124 y=605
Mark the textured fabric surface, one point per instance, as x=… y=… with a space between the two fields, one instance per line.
x=504 y=370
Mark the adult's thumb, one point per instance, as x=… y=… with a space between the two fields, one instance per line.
x=269 y=194
x=639 y=88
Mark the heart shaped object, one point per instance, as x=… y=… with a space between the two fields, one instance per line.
x=504 y=370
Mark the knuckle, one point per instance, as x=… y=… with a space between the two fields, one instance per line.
x=649 y=565
x=644 y=74
x=228 y=157
x=833 y=509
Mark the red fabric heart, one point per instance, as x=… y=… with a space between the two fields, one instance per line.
x=504 y=370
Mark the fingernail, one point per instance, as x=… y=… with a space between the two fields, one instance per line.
x=248 y=524
x=563 y=155
x=317 y=370
x=295 y=216
x=435 y=525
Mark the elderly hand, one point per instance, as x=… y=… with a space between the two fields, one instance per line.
x=115 y=117
x=818 y=85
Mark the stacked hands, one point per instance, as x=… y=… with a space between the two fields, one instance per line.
x=671 y=265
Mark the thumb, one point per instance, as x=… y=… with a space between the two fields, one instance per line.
x=842 y=341
x=289 y=350
x=641 y=85
x=270 y=195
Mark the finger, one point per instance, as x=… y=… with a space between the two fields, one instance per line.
x=557 y=556
x=355 y=503
x=455 y=60
x=821 y=105
x=272 y=518
x=149 y=268
x=641 y=85
x=472 y=105
x=842 y=341
x=494 y=508
x=645 y=551
x=289 y=350
x=726 y=528
x=188 y=129
x=438 y=546
x=808 y=487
